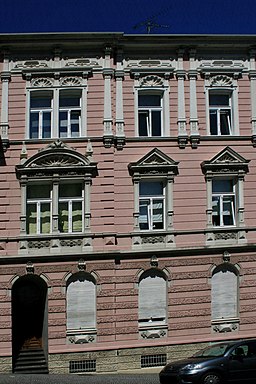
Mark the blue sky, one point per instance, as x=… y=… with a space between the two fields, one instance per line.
x=180 y=16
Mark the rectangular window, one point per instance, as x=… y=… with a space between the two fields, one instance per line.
x=223 y=202
x=43 y=105
x=40 y=114
x=70 y=113
x=151 y=205
x=38 y=209
x=70 y=208
x=220 y=113
x=150 y=114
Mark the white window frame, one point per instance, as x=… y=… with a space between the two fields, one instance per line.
x=69 y=111
x=70 y=201
x=55 y=110
x=150 y=206
x=40 y=112
x=219 y=110
x=222 y=196
x=159 y=87
x=38 y=203
x=149 y=110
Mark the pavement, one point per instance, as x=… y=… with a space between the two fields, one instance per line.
x=118 y=378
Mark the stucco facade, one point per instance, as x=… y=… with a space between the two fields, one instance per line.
x=127 y=197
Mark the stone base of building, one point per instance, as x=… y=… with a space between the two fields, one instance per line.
x=121 y=360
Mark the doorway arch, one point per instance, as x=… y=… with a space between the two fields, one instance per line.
x=29 y=315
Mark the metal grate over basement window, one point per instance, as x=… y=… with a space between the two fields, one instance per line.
x=153 y=360
x=76 y=366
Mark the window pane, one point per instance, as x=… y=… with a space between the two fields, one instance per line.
x=34 y=125
x=41 y=100
x=228 y=210
x=219 y=99
x=70 y=99
x=149 y=100
x=75 y=123
x=144 y=214
x=31 y=219
x=143 y=123
x=151 y=188
x=213 y=122
x=70 y=190
x=45 y=218
x=77 y=216
x=225 y=122
x=158 y=222
x=63 y=217
x=63 y=124
x=222 y=185
x=38 y=191
x=46 y=129
x=216 y=210
x=156 y=123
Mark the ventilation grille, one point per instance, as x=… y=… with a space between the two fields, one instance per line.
x=153 y=360
x=82 y=366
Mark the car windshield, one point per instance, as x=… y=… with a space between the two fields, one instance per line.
x=217 y=350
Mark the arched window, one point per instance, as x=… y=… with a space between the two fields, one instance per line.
x=224 y=292
x=81 y=302
x=152 y=298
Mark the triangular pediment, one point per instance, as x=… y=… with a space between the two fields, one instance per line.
x=154 y=160
x=226 y=159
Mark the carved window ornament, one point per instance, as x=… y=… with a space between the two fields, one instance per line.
x=221 y=81
x=151 y=81
x=71 y=81
x=41 y=82
x=226 y=168
x=153 y=168
x=50 y=167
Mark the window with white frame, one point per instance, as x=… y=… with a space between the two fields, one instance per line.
x=39 y=203
x=220 y=110
x=152 y=298
x=150 y=113
x=41 y=106
x=70 y=113
x=71 y=198
x=224 y=175
x=151 y=205
x=81 y=302
x=60 y=108
x=224 y=292
x=223 y=202
x=70 y=208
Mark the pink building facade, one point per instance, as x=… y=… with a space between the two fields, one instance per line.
x=127 y=198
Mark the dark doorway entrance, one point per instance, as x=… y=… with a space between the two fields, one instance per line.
x=29 y=318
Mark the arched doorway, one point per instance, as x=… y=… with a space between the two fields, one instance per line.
x=29 y=319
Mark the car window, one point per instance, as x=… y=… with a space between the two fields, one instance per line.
x=242 y=351
x=213 y=351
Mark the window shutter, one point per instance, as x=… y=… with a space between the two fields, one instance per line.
x=81 y=305
x=152 y=297
x=224 y=295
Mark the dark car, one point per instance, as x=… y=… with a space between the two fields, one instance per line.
x=229 y=362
